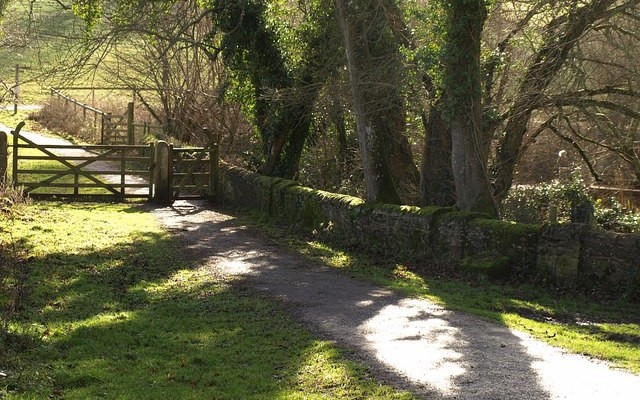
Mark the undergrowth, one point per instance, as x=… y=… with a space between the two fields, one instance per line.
x=558 y=202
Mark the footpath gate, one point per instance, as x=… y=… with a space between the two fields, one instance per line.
x=194 y=171
x=157 y=172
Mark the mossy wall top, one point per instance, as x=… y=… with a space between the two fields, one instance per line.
x=571 y=253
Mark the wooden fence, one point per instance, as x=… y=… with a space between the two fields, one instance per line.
x=114 y=129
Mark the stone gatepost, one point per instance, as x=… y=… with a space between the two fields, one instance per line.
x=162 y=173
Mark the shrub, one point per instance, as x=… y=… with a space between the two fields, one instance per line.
x=555 y=201
x=547 y=202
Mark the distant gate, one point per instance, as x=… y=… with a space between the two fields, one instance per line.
x=193 y=172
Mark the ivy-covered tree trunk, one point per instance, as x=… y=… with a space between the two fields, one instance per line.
x=375 y=75
x=436 y=184
x=463 y=91
x=250 y=49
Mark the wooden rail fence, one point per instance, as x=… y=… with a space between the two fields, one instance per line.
x=118 y=129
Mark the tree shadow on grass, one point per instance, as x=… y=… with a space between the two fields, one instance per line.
x=136 y=320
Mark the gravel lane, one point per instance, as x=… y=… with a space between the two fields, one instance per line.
x=410 y=343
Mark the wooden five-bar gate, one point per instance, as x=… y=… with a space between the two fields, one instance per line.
x=157 y=171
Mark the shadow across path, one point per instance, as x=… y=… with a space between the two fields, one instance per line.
x=413 y=344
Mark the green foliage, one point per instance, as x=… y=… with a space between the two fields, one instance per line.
x=554 y=202
x=465 y=21
x=611 y=215
x=548 y=202
x=89 y=10
x=3 y=6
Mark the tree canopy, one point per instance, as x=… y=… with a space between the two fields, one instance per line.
x=343 y=93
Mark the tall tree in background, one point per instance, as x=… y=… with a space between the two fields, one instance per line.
x=375 y=78
x=281 y=97
x=560 y=36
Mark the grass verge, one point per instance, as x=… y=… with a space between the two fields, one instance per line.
x=111 y=310
x=607 y=329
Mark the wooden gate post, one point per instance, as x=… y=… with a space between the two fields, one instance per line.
x=106 y=128
x=4 y=154
x=14 y=171
x=214 y=170
x=131 y=130
x=162 y=173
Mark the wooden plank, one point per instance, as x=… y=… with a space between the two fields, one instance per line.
x=70 y=172
x=129 y=159
x=4 y=155
x=89 y=148
x=37 y=185
x=93 y=196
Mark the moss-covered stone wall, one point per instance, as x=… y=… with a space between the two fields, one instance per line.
x=571 y=254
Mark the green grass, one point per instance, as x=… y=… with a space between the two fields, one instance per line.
x=47 y=43
x=607 y=329
x=113 y=310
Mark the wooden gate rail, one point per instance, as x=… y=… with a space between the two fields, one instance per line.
x=120 y=157
x=191 y=175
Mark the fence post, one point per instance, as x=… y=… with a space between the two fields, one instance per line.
x=130 y=128
x=105 y=129
x=14 y=172
x=214 y=170
x=4 y=154
x=161 y=171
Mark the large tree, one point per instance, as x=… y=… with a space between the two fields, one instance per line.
x=561 y=34
x=462 y=83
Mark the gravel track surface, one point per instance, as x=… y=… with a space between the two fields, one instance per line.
x=409 y=343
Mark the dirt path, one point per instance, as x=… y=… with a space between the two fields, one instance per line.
x=409 y=343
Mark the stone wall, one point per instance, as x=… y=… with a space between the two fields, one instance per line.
x=570 y=254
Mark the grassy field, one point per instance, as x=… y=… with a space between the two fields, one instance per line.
x=45 y=40
x=601 y=327
x=110 y=310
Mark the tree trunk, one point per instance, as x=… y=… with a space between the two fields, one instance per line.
x=436 y=185
x=375 y=74
x=462 y=87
